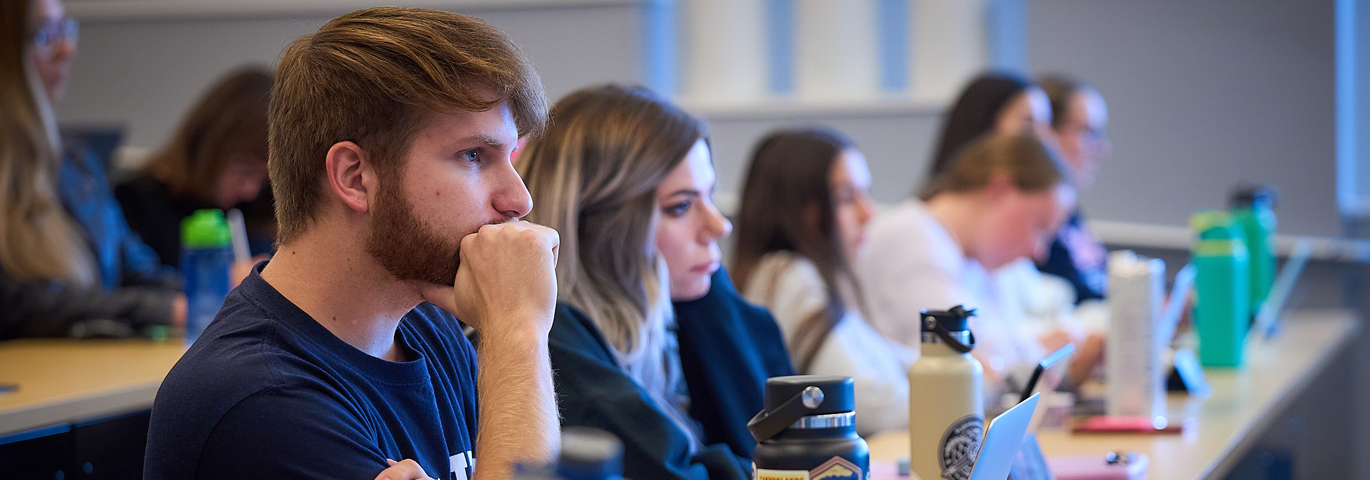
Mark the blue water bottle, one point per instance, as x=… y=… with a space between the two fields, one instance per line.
x=586 y=454
x=206 y=256
x=590 y=454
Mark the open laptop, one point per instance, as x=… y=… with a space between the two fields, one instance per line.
x=1002 y=439
x=997 y=451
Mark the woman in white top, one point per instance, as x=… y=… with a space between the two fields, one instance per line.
x=801 y=225
x=999 y=200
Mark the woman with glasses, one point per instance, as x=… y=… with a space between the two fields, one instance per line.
x=1078 y=122
x=54 y=45
x=68 y=263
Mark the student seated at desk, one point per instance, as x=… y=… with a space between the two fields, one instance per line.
x=801 y=226
x=68 y=263
x=626 y=178
x=999 y=200
x=216 y=159
x=993 y=102
x=1006 y=103
x=392 y=130
x=1078 y=122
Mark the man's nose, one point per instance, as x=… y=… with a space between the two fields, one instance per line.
x=511 y=198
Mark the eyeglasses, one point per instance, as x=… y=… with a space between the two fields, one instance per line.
x=52 y=33
x=1086 y=131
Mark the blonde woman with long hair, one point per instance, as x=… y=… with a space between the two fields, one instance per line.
x=625 y=178
x=51 y=282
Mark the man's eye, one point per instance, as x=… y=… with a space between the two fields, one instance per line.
x=470 y=155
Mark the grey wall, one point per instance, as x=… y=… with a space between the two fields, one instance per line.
x=1202 y=95
x=145 y=74
x=896 y=143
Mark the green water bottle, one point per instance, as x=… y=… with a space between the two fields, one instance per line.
x=206 y=258
x=1222 y=283
x=1253 y=209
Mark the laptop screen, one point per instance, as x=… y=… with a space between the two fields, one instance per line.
x=1002 y=440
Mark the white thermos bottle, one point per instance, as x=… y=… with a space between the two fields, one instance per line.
x=946 y=400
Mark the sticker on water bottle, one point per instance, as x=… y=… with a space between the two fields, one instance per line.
x=960 y=446
x=760 y=474
x=836 y=468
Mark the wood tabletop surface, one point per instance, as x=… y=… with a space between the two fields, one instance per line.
x=1241 y=407
x=61 y=380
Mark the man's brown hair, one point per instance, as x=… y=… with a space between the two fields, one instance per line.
x=370 y=77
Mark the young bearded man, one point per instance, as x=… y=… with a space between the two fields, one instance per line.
x=391 y=134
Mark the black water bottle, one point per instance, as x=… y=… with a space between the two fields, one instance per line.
x=808 y=431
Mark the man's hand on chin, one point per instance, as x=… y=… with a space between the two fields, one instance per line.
x=507 y=270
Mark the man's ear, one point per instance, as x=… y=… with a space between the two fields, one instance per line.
x=350 y=176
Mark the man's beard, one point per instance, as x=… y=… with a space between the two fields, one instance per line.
x=407 y=246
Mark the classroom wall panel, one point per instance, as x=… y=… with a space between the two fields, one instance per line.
x=896 y=142
x=1203 y=95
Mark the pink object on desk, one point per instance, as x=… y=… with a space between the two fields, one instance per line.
x=1127 y=425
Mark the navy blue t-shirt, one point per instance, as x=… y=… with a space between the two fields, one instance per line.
x=267 y=392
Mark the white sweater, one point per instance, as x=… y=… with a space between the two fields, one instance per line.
x=915 y=264
x=791 y=287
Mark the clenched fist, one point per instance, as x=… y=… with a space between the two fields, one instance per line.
x=507 y=271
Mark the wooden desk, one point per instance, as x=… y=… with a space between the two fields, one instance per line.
x=1242 y=405
x=63 y=380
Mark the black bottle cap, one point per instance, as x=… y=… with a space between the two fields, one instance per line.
x=791 y=398
x=956 y=319
x=836 y=396
x=1251 y=196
